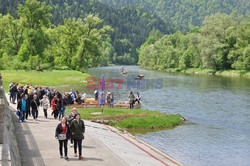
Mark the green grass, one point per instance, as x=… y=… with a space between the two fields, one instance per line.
x=45 y=78
x=233 y=73
x=227 y=73
x=135 y=120
x=199 y=71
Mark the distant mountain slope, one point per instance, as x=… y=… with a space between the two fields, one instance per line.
x=185 y=14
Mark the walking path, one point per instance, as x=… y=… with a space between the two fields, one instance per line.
x=103 y=145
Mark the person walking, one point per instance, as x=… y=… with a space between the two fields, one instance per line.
x=63 y=134
x=29 y=98
x=22 y=107
x=53 y=106
x=35 y=106
x=71 y=117
x=131 y=98
x=77 y=128
x=61 y=108
x=45 y=105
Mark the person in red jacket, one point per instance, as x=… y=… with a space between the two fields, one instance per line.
x=53 y=106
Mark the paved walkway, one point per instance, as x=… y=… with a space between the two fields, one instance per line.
x=103 y=145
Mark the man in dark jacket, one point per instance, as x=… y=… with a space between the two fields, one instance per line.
x=34 y=106
x=29 y=99
x=77 y=128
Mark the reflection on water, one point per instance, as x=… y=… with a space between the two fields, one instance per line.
x=218 y=110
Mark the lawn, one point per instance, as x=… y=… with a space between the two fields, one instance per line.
x=133 y=120
x=45 y=78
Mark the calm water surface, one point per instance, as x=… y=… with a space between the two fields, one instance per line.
x=217 y=109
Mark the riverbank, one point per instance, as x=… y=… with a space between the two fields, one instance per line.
x=103 y=145
x=225 y=73
x=45 y=78
x=132 y=120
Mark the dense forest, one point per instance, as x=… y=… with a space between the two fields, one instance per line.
x=131 y=25
x=186 y=14
x=223 y=42
x=31 y=41
x=83 y=33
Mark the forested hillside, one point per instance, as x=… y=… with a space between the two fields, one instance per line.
x=131 y=24
x=32 y=41
x=186 y=14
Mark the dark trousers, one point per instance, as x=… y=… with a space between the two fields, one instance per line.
x=45 y=113
x=55 y=112
x=21 y=117
x=14 y=97
x=63 y=143
x=35 y=113
x=78 y=142
x=27 y=113
x=131 y=105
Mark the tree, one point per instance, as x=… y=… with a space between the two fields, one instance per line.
x=213 y=45
x=35 y=17
x=91 y=37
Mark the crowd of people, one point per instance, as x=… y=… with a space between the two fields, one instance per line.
x=29 y=98
x=71 y=127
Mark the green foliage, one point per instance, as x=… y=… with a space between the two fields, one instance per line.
x=135 y=120
x=32 y=40
x=221 y=43
x=186 y=14
x=131 y=25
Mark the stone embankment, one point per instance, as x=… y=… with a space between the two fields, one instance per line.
x=9 y=150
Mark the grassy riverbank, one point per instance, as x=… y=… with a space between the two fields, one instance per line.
x=45 y=78
x=134 y=121
x=226 y=73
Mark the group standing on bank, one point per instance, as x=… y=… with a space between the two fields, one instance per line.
x=71 y=127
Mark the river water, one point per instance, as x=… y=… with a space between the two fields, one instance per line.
x=217 y=108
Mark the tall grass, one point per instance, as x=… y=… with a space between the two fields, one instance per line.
x=45 y=78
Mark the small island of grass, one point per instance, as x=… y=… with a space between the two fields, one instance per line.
x=135 y=121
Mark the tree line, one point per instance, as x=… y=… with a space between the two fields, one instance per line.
x=32 y=41
x=222 y=42
x=131 y=24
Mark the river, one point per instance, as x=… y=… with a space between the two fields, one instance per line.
x=217 y=108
